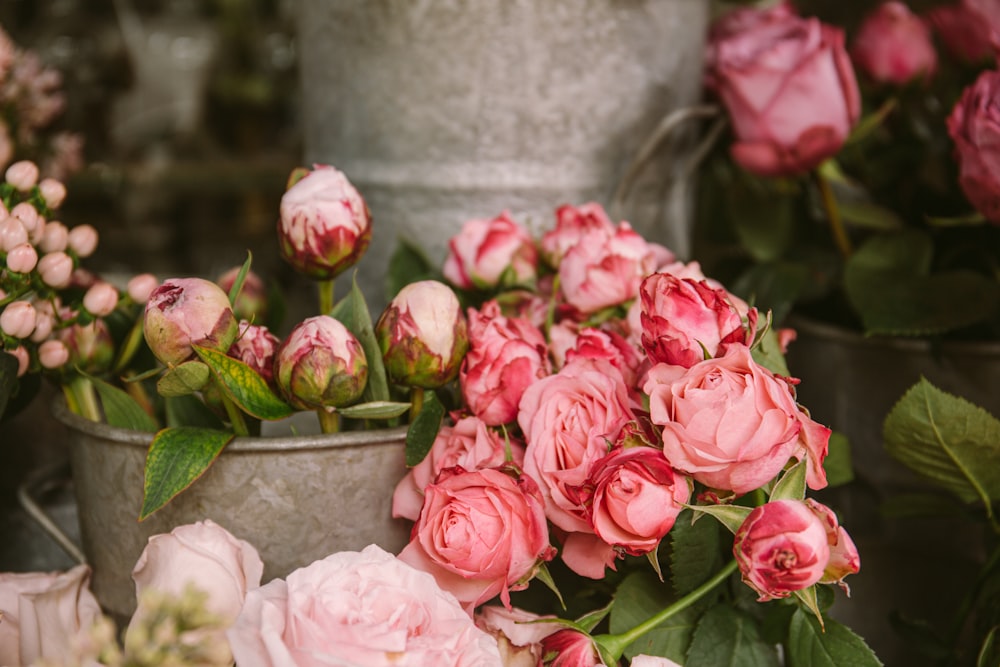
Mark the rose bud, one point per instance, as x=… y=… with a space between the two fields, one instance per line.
x=90 y=346
x=781 y=547
x=893 y=45
x=251 y=302
x=423 y=335
x=256 y=347
x=22 y=258
x=83 y=240
x=485 y=252
x=188 y=311
x=844 y=557
x=788 y=86
x=320 y=365
x=974 y=126
x=12 y=233
x=53 y=354
x=101 y=299
x=571 y=648
x=23 y=175
x=325 y=226
x=53 y=191
x=141 y=286
x=55 y=238
x=18 y=319
x=56 y=269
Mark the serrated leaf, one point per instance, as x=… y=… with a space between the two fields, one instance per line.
x=694 y=552
x=176 y=458
x=730 y=516
x=639 y=597
x=728 y=636
x=809 y=645
x=121 y=410
x=948 y=440
x=424 y=429
x=792 y=484
x=352 y=312
x=8 y=378
x=191 y=411
x=244 y=385
x=189 y=377
x=838 y=464
x=374 y=410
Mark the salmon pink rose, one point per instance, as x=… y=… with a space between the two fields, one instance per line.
x=610 y=346
x=485 y=253
x=894 y=45
x=844 y=557
x=788 y=86
x=480 y=533
x=572 y=224
x=974 y=126
x=357 y=609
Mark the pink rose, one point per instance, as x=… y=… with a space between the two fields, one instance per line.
x=256 y=346
x=320 y=364
x=683 y=320
x=788 y=85
x=470 y=444
x=506 y=355
x=974 y=126
x=182 y=312
x=571 y=648
x=486 y=253
x=481 y=534
x=42 y=614
x=572 y=224
x=652 y=661
x=611 y=347
x=519 y=633
x=844 y=557
x=730 y=423
x=357 y=609
x=781 y=547
x=893 y=45
x=963 y=31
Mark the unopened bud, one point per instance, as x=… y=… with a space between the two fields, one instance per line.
x=22 y=258
x=321 y=365
x=28 y=216
x=101 y=299
x=186 y=311
x=53 y=191
x=55 y=238
x=56 y=269
x=23 y=175
x=141 y=286
x=83 y=240
x=53 y=354
x=12 y=233
x=18 y=319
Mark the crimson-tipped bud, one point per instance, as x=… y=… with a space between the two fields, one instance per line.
x=186 y=311
x=320 y=365
x=325 y=226
x=423 y=335
x=256 y=347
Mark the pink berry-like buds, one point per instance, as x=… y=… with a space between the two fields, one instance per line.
x=321 y=365
x=53 y=191
x=23 y=175
x=22 y=258
x=186 y=311
x=83 y=240
x=53 y=354
x=101 y=299
x=18 y=319
x=141 y=286
x=56 y=269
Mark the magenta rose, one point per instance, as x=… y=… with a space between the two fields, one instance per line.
x=470 y=443
x=256 y=347
x=486 y=253
x=894 y=45
x=788 y=86
x=844 y=557
x=781 y=547
x=320 y=365
x=974 y=126
x=182 y=312
x=506 y=355
x=685 y=319
x=729 y=422
x=572 y=224
x=481 y=533
x=358 y=609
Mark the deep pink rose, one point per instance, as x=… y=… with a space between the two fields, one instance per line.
x=571 y=648
x=481 y=533
x=357 y=609
x=844 y=557
x=974 y=126
x=470 y=443
x=486 y=252
x=730 y=423
x=610 y=346
x=963 y=32
x=894 y=45
x=987 y=11
x=781 y=547
x=187 y=311
x=506 y=355
x=518 y=633
x=572 y=224
x=685 y=319
x=788 y=85
x=256 y=347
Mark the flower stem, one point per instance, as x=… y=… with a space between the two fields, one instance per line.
x=615 y=645
x=81 y=399
x=833 y=214
x=329 y=422
x=326 y=296
x=416 y=401
x=235 y=416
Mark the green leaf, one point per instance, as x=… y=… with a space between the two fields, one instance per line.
x=809 y=645
x=191 y=411
x=868 y=215
x=409 y=264
x=352 y=312
x=989 y=652
x=244 y=385
x=176 y=458
x=810 y=600
x=729 y=636
x=8 y=378
x=768 y=353
x=792 y=484
x=731 y=516
x=374 y=410
x=241 y=277
x=907 y=253
x=424 y=429
x=922 y=505
x=765 y=217
x=838 y=464
x=694 y=552
x=948 y=440
x=121 y=410
x=590 y=620
x=639 y=597
x=189 y=377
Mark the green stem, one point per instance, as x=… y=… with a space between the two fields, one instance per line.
x=235 y=416
x=82 y=399
x=833 y=214
x=416 y=402
x=615 y=645
x=329 y=422
x=326 y=296
x=969 y=601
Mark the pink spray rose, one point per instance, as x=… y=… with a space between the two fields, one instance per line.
x=325 y=226
x=357 y=609
x=730 y=423
x=486 y=252
x=256 y=346
x=788 y=85
x=893 y=45
x=781 y=547
x=506 y=355
x=320 y=365
x=187 y=311
x=591 y=343
x=470 y=443
x=571 y=648
x=844 y=557
x=974 y=126
x=572 y=224
x=43 y=613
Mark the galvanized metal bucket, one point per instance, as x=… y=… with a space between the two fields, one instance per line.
x=296 y=499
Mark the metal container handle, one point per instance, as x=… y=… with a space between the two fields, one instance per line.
x=38 y=482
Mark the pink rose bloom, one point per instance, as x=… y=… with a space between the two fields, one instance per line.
x=469 y=444
x=636 y=497
x=963 y=31
x=182 y=312
x=325 y=226
x=683 y=319
x=781 y=547
x=42 y=615
x=844 y=557
x=652 y=661
x=256 y=346
x=357 y=609
x=611 y=347
x=251 y=302
x=572 y=224
x=788 y=85
x=974 y=126
x=571 y=648
x=485 y=253
x=730 y=423
x=481 y=533
x=320 y=365
x=604 y=269
x=506 y=355
x=894 y=45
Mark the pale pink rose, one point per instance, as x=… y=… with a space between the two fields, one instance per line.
x=506 y=355
x=12 y=233
x=974 y=126
x=652 y=661
x=787 y=84
x=101 y=299
x=486 y=252
x=684 y=320
x=42 y=615
x=53 y=191
x=82 y=240
x=781 y=547
x=256 y=346
x=571 y=648
x=140 y=287
x=320 y=364
x=469 y=444
x=844 y=557
x=56 y=269
x=251 y=302
x=357 y=609
x=519 y=633
x=18 y=318
x=182 y=312
x=55 y=238
x=893 y=45
x=728 y=422
x=481 y=533
x=963 y=31
x=572 y=223
x=53 y=354
x=22 y=258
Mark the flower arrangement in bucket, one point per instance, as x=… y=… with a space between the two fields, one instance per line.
x=607 y=461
